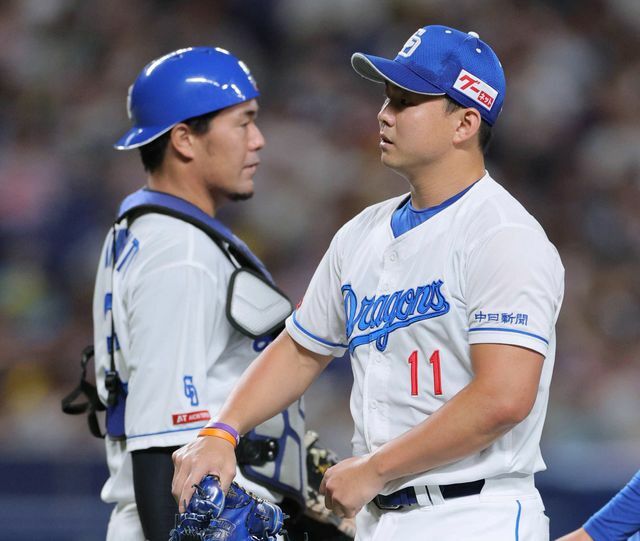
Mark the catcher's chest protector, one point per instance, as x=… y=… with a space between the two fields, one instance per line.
x=273 y=454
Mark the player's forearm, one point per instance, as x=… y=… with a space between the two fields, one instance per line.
x=467 y=424
x=277 y=378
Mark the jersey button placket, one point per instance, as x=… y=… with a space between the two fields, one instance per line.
x=380 y=375
x=367 y=394
x=379 y=370
x=386 y=277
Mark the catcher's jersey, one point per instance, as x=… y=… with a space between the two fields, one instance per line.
x=407 y=310
x=176 y=352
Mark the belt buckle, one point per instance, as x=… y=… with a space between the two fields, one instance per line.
x=384 y=506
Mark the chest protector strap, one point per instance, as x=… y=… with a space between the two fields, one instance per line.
x=84 y=398
x=147 y=201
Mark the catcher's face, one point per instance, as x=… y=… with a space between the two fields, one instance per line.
x=227 y=154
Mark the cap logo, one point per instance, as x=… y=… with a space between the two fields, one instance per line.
x=476 y=89
x=412 y=44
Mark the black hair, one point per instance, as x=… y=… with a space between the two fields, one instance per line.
x=152 y=154
x=485 y=131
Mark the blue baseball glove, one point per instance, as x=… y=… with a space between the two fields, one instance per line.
x=240 y=516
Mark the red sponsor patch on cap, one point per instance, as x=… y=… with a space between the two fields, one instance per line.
x=476 y=89
x=191 y=417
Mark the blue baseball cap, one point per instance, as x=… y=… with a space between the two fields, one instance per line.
x=181 y=85
x=438 y=60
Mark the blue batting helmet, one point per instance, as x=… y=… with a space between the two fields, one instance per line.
x=181 y=85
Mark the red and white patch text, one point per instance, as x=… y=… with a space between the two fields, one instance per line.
x=191 y=417
x=476 y=89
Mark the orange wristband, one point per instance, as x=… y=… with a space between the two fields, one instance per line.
x=218 y=433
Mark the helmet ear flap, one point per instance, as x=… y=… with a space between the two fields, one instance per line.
x=184 y=84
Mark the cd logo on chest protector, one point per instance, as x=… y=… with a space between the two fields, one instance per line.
x=379 y=316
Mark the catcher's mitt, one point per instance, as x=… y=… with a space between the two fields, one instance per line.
x=238 y=516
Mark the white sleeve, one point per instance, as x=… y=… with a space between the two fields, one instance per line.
x=514 y=289
x=318 y=322
x=172 y=313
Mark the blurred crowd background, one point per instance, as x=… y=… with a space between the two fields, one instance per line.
x=567 y=145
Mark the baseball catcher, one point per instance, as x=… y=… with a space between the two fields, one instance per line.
x=238 y=516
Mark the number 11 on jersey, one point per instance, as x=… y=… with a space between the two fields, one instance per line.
x=435 y=363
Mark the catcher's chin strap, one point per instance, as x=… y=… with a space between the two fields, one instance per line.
x=91 y=403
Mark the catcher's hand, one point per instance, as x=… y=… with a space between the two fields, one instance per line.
x=238 y=516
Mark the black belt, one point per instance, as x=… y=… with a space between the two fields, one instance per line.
x=407 y=496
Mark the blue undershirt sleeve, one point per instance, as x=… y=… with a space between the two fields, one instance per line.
x=620 y=518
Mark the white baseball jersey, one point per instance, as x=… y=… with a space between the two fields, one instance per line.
x=178 y=355
x=408 y=309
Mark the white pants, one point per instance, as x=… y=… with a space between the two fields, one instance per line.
x=124 y=524
x=484 y=517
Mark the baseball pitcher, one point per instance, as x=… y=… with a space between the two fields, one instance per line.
x=446 y=300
